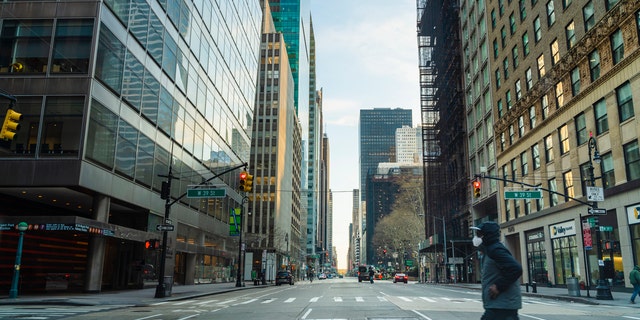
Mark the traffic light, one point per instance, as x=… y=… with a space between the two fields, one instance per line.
x=164 y=190
x=152 y=244
x=476 y=188
x=11 y=125
x=246 y=181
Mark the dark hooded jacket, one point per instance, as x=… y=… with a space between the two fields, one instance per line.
x=499 y=268
x=634 y=276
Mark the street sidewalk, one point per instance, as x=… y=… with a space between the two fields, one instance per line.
x=142 y=297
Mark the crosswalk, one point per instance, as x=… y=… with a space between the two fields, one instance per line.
x=44 y=313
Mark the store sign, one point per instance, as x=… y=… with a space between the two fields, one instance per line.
x=563 y=229
x=633 y=214
x=586 y=235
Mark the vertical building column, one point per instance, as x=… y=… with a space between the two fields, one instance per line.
x=190 y=268
x=97 y=246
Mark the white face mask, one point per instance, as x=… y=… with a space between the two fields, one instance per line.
x=477 y=241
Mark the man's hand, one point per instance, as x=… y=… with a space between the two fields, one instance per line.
x=493 y=291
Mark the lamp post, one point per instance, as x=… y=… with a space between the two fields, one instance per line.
x=444 y=242
x=602 y=289
x=239 y=283
x=13 y=292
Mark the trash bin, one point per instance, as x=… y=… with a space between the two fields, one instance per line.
x=573 y=286
x=168 y=283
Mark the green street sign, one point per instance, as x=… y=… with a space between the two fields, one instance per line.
x=606 y=228
x=206 y=193
x=408 y=263
x=529 y=194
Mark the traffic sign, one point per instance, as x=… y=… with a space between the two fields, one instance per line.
x=165 y=227
x=595 y=194
x=597 y=211
x=206 y=193
x=606 y=228
x=524 y=194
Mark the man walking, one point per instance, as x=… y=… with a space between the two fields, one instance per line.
x=634 y=277
x=501 y=297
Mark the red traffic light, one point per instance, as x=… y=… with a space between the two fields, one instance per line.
x=476 y=184
x=243 y=175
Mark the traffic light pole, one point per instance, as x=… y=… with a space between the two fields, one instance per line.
x=161 y=287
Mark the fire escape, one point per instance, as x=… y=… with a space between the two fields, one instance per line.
x=445 y=157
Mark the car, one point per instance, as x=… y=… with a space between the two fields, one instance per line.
x=284 y=277
x=322 y=276
x=400 y=277
x=363 y=273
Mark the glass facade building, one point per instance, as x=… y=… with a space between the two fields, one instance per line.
x=115 y=97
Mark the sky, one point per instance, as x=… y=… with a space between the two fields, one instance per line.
x=366 y=57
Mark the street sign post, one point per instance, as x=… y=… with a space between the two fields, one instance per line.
x=597 y=211
x=165 y=227
x=523 y=194
x=595 y=194
x=206 y=193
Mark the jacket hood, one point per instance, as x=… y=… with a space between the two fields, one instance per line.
x=490 y=232
x=636 y=268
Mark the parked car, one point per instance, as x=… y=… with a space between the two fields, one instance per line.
x=284 y=277
x=400 y=277
x=322 y=276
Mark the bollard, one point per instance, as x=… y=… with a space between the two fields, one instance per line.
x=526 y=286
x=534 y=287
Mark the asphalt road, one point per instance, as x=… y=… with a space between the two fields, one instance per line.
x=328 y=299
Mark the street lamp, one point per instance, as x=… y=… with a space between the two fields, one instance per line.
x=13 y=292
x=602 y=289
x=444 y=235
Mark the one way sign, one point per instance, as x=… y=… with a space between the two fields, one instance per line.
x=164 y=227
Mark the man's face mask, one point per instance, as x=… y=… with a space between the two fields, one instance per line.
x=477 y=241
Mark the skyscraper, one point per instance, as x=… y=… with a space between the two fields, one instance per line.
x=378 y=138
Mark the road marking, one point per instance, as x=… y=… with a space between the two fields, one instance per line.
x=187 y=317
x=532 y=317
x=306 y=314
x=183 y=302
x=206 y=302
x=314 y=299
x=269 y=300
x=405 y=299
x=422 y=315
x=228 y=301
x=245 y=302
x=427 y=299
x=359 y=299
x=630 y=317
x=289 y=300
x=337 y=299
x=382 y=299
x=159 y=303
x=149 y=317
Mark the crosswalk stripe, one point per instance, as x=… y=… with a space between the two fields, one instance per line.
x=405 y=299
x=337 y=299
x=359 y=299
x=427 y=299
x=314 y=299
x=184 y=302
x=289 y=300
x=206 y=302
x=246 y=302
x=269 y=300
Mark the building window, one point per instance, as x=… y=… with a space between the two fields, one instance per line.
x=110 y=60
x=72 y=46
x=589 y=16
x=528 y=78
x=520 y=126
x=512 y=134
x=600 y=113
x=555 y=52
x=505 y=65
x=525 y=44
x=548 y=148
x=563 y=135
x=101 y=135
x=569 y=190
x=625 y=101
x=539 y=206
x=26 y=45
x=566 y=3
x=638 y=23
x=500 y=109
x=512 y=23
x=575 y=81
x=610 y=4
x=503 y=36
x=541 y=71
x=523 y=10
x=508 y=99
x=553 y=195
x=532 y=117
x=544 y=102
x=559 y=95
x=535 y=156
x=524 y=163
x=502 y=141
x=501 y=7
x=495 y=48
x=594 y=65
x=493 y=19
x=581 y=129
x=632 y=160
x=551 y=13
x=498 y=83
x=608 y=174
x=518 y=90
x=537 y=29
x=570 y=32
x=514 y=55
x=617 y=46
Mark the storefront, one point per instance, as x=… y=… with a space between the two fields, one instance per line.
x=537 y=257
x=565 y=251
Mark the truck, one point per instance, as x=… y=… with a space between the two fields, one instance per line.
x=363 y=273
